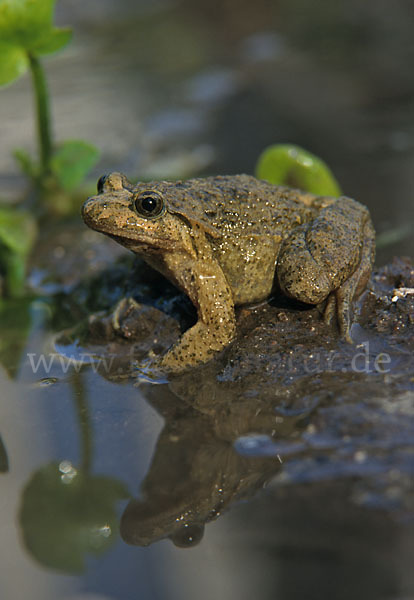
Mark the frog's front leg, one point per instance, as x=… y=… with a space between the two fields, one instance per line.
x=205 y=284
x=330 y=257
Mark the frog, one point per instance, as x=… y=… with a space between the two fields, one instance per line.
x=228 y=241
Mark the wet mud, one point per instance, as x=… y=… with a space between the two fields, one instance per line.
x=289 y=405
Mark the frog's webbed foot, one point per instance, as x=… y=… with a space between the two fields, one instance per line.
x=329 y=311
x=196 y=346
x=339 y=305
x=121 y=310
x=339 y=302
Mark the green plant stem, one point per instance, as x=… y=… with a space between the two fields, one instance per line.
x=15 y=273
x=42 y=113
x=84 y=423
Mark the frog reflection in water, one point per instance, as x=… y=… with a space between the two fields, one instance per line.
x=226 y=240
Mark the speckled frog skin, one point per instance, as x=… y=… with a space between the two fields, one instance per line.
x=228 y=240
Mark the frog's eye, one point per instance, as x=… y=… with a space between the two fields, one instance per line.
x=149 y=204
x=101 y=182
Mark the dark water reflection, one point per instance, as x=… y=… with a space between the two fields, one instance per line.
x=318 y=527
x=248 y=474
x=287 y=478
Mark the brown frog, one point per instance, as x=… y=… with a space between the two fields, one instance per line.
x=226 y=240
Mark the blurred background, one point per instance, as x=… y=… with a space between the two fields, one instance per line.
x=171 y=88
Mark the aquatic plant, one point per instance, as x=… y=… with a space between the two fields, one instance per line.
x=27 y=34
x=286 y=164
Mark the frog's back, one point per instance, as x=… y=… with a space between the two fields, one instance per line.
x=246 y=220
x=240 y=205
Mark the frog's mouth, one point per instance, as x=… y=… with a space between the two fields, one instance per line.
x=147 y=245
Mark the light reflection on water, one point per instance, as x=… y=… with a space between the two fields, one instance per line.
x=235 y=89
x=175 y=462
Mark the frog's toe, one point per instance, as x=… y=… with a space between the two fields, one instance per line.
x=123 y=307
x=343 y=312
x=150 y=370
x=345 y=295
x=329 y=312
x=338 y=309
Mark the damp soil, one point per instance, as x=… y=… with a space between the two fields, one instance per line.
x=288 y=401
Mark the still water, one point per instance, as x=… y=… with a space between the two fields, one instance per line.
x=284 y=469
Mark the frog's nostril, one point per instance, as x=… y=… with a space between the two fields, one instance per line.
x=87 y=208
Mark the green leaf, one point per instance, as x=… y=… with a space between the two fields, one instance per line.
x=14 y=267
x=53 y=41
x=65 y=515
x=24 y=21
x=17 y=230
x=286 y=164
x=26 y=163
x=17 y=235
x=13 y=63
x=72 y=161
x=26 y=28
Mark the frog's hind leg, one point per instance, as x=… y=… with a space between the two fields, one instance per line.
x=339 y=302
x=329 y=258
